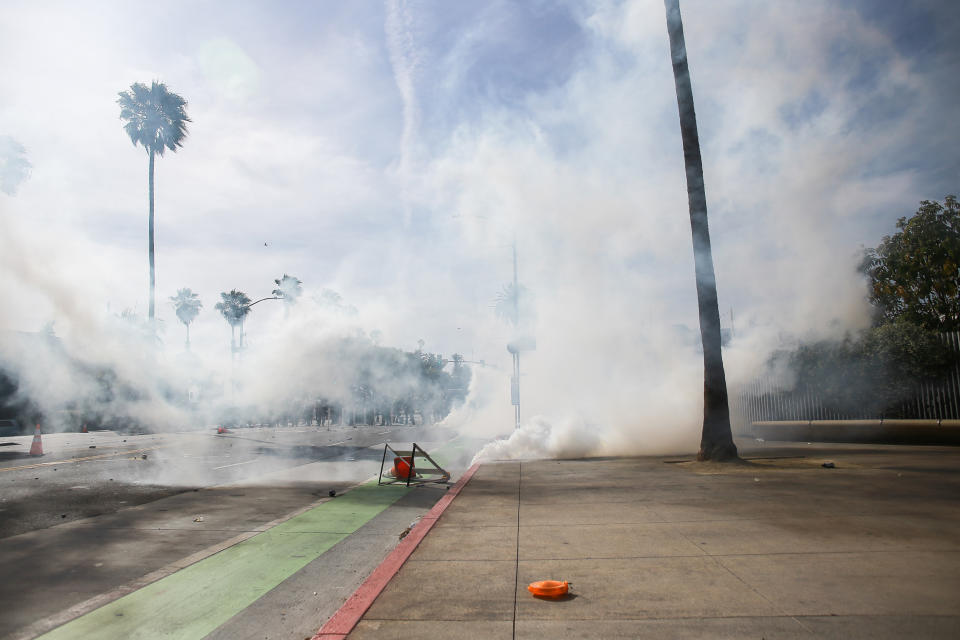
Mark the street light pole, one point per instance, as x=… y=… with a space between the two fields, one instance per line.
x=244 y=316
x=516 y=318
x=262 y=299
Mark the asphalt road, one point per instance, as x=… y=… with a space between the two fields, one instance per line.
x=164 y=501
x=82 y=475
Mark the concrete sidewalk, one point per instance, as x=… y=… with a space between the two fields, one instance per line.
x=780 y=547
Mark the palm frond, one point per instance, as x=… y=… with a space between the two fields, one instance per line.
x=234 y=306
x=288 y=288
x=154 y=116
x=187 y=305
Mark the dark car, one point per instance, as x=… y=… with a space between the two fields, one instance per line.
x=9 y=428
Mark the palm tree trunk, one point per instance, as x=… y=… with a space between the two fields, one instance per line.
x=150 y=243
x=716 y=442
x=188 y=337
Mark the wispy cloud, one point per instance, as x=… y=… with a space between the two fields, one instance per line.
x=405 y=59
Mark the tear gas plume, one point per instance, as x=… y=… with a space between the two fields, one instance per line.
x=114 y=370
x=810 y=150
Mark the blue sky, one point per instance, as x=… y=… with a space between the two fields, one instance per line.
x=393 y=151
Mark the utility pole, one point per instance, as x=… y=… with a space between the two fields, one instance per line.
x=515 y=383
x=519 y=341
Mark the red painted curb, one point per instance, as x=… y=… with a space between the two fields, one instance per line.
x=347 y=616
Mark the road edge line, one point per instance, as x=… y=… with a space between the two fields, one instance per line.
x=347 y=616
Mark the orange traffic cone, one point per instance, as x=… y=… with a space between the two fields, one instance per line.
x=402 y=467
x=222 y=430
x=84 y=430
x=36 y=448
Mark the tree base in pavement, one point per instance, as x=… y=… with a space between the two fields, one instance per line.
x=719 y=452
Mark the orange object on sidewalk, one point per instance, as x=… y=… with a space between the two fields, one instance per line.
x=549 y=588
x=36 y=448
x=222 y=429
x=84 y=429
x=402 y=467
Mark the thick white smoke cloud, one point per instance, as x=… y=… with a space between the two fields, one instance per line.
x=351 y=183
x=602 y=227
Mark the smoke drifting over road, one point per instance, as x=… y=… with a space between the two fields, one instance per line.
x=409 y=207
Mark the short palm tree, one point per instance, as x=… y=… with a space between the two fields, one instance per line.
x=234 y=306
x=157 y=119
x=288 y=289
x=187 y=305
x=511 y=302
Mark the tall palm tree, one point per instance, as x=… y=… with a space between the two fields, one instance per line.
x=234 y=306
x=157 y=119
x=187 y=305
x=716 y=441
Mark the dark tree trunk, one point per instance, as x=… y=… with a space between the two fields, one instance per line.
x=716 y=441
x=153 y=278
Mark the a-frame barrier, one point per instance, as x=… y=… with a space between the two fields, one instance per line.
x=413 y=467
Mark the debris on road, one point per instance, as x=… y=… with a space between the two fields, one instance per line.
x=828 y=465
x=332 y=493
x=405 y=532
x=93 y=446
x=198 y=519
x=549 y=588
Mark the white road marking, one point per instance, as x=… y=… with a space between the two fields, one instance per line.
x=235 y=464
x=70 y=460
x=332 y=444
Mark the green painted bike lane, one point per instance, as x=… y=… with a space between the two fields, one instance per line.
x=193 y=602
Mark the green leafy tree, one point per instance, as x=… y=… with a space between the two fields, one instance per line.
x=873 y=372
x=716 y=442
x=234 y=307
x=915 y=273
x=155 y=118
x=187 y=305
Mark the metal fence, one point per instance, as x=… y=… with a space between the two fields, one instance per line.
x=764 y=398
